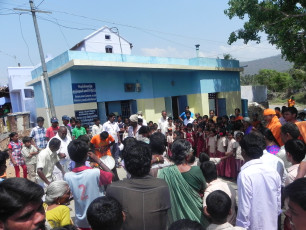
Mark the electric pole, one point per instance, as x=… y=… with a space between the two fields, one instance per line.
x=42 y=57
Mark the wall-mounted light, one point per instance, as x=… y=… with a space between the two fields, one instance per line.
x=137 y=87
x=172 y=83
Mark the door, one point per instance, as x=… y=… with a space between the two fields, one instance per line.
x=175 y=109
x=221 y=106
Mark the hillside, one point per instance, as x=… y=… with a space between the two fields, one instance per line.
x=275 y=63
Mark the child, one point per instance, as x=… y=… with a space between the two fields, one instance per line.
x=230 y=161
x=126 y=132
x=16 y=157
x=199 y=141
x=144 y=134
x=29 y=152
x=3 y=157
x=295 y=153
x=86 y=127
x=78 y=130
x=237 y=152
x=86 y=184
x=212 y=143
x=97 y=127
x=218 y=208
x=170 y=124
x=72 y=123
x=170 y=139
x=221 y=146
x=190 y=135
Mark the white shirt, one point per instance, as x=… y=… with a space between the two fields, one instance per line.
x=259 y=196
x=292 y=173
x=112 y=129
x=47 y=160
x=131 y=131
x=223 y=186
x=225 y=226
x=96 y=129
x=144 y=122
x=276 y=163
x=221 y=144
x=186 y=121
x=163 y=125
x=282 y=155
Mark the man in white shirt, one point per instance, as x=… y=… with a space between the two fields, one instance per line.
x=188 y=119
x=259 y=188
x=163 y=123
x=144 y=122
x=97 y=128
x=113 y=129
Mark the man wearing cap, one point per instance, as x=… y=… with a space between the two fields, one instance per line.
x=144 y=122
x=134 y=127
x=52 y=131
x=66 y=120
x=273 y=124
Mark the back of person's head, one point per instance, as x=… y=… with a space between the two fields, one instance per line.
x=218 y=206
x=105 y=213
x=3 y=157
x=26 y=139
x=253 y=145
x=180 y=149
x=144 y=130
x=209 y=171
x=296 y=192
x=204 y=157
x=277 y=108
x=15 y=194
x=268 y=135
x=84 y=138
x=189 y=125
x=54 y=143
x=78 y=121
x=291 y=129
x=66 y=227
x=78 y=150
x=185 y=224
x=55 y=190
x=296 y=148
x=158 y=143
x=104 y=135
x=137 y=159
x=96 y=119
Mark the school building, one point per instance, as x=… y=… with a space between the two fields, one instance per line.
x=88 y=85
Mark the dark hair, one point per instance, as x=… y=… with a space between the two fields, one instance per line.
x=26 y=139
x=56 y=143
x=189 y=125
x=277 y=108
x=137 y=159
x=84 y=138
x=218 y=205
x=239 y=134
x=170 y=119
x=86 y=126
x=225 y=117
x=205 y=116
x=104 y=135
x=72 y=119
x=296 y=148
x=144 y=130
x=209 y=171
x=158 y=143
x=78 y=150
x=188 y=112
x=66 y=227
x=40 y=119
x=292 y=129
x=292 y=110
x=105 y=211
x=12 y=134
x=203 y=157
x=178 y=134
x=269 y=135
x=180 y=149
x=296 y=191
x=253 y=145
x=185 y=224
x=16 y=193
x=96 y=119
x=237 y=110
x=78 y=121
x=3 y=157
x=111 y=115
x=128 y=142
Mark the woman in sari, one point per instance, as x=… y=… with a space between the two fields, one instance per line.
x=186 y=184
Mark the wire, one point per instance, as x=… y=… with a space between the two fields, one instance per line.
x=40 y=3
x=60 y=28
x=25 y=41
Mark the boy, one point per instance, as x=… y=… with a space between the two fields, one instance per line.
x=97 y=128
x=106 y=212
x=295 y=153
x=38 y=134
x=3 y=157
x=29 y=153
x=78 y=130
x=86 y=184
x=218 y=208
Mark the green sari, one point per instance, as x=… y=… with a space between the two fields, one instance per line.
x=186 y=203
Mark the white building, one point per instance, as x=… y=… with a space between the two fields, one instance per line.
x=104 y=40
x=22 y=96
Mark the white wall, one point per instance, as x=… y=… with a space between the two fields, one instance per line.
x=256 y=93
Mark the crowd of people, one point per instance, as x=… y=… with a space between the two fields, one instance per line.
x=175 y=171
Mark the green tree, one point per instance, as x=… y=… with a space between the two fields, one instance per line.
x=284 y=22
x=228 y=57
x=275 y=81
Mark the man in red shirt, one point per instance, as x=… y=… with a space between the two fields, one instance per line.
x=52 y=131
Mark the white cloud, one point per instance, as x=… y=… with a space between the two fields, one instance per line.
x=168 y=52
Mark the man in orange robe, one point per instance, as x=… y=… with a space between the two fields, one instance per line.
x=273 y=124
x=290 y=116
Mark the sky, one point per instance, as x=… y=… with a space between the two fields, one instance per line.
x=168 y=28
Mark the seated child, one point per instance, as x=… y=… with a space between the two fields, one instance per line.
x=107 y=212
x=295 y=153
x=29 y=153
x=86 y=183
x=219 y=207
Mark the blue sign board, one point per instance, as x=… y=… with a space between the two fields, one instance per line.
x=84 y=92
x=86 y=116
